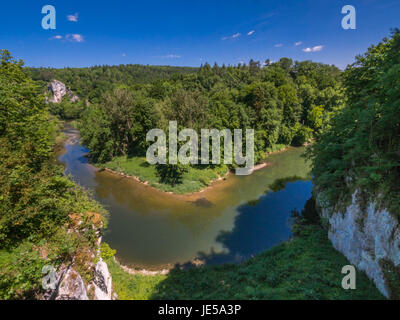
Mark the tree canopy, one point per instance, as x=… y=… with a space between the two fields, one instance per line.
x=284 y=102
x=361 y=149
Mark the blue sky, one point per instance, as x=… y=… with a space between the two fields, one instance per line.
x=191 y=32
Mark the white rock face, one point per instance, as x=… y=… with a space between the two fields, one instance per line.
x=59 y=90
x=102 y=282
x=72 y=287
x=365 y=239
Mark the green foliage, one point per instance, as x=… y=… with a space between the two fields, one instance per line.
x=360 y=150
x=68 y=110
x=23 y=112
x=171 y=173
x=106 y=252
x=20 y=272
x=92 y=83
x=36 y=199
x=315 y=118
x=132 y=287
x=303 y=135
x=119 y=126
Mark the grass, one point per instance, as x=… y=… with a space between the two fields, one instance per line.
x=196 y=179
x=133 y=287
x=275 y=148
x=306 y=267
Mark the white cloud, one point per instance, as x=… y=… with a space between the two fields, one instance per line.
x=250 y=32
x=236 y=35
x=317 y=48
x=75 y=37
x=298 y=43
x=172 y=56
x=73 y=17
x=57 y=37
x=313 y=49
x=278 y=45
x=124 y=54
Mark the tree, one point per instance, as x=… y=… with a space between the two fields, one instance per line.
x=360 y=150
x=262 y=98
x=316 y=118
x=23 y=112
x=171 y=173
x=285 y=64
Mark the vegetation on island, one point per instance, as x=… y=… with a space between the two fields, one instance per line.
x=188 y=179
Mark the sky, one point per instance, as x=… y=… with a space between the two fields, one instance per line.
x=192 y=32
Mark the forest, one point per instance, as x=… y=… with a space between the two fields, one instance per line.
x=285 y=102
x=92 y=83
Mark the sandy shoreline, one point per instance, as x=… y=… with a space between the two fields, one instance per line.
x=164 y=271
x=143 y=272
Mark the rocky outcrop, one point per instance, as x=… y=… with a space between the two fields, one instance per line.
x=69 y=285
x=370 y=239
x=59 y=90
x=102 y=282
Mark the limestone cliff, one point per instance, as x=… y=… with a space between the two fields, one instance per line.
x=69 y=285
x=59 y=90
x=370 y=239
x=68 y=282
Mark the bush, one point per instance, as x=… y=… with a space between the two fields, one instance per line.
x=106 y=252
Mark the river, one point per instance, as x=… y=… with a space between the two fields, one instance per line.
x=231 y=221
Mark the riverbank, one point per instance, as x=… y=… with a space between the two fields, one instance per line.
x=305 y=267
x=195 y=181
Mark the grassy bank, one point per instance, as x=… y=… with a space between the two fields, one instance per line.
x=194 y=180
x=306 y=267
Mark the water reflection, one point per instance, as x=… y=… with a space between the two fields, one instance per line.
x=260 y=226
